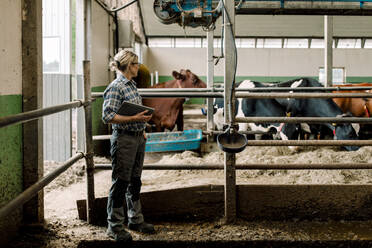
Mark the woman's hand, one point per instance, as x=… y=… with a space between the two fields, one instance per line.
x=142 y=116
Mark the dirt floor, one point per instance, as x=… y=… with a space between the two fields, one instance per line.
x=62 y=227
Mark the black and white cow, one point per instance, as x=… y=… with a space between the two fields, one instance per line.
x=251 y=108
x=308 y=107
x=317 y=107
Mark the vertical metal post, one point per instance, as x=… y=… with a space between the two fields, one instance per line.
x=210 y=73
x=32 y=93
x=88 y=110
x=89 y=142
x=156 y=77
x=229 y=158
x=328 y=51
x=87 y=29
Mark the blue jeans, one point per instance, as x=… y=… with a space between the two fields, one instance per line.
x=127 y=153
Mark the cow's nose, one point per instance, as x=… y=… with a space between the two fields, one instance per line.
x=272 y=130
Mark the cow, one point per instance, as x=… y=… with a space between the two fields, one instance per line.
x=309 y=107
x=245 y=107
x=169 y=111
x=358 y=107
x=318 y=107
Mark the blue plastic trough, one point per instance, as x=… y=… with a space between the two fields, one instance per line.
x=173 y=141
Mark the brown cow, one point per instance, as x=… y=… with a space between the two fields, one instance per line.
x=169 y=111
x=359 y=107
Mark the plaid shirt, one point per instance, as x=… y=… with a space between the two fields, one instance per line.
x=119 y=90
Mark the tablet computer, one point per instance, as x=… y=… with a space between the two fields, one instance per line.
x=130 y=108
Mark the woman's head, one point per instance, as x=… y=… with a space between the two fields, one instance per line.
x=124 y=62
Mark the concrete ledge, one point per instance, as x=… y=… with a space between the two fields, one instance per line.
x=230 y=244
x=254 y=202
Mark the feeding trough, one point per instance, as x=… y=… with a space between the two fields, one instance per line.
x=232 y=142
x=173 y=141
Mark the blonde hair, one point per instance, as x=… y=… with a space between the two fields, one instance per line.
x=122 y=60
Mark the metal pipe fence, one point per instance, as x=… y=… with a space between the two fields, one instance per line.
x=32 y=115
x=39 y=185
x=35 y=114
x=264 y=89
x=253 y=166
x=310 y=120
x=207 y=94
x=35 y=188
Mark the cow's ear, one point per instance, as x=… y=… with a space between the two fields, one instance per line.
x=178 y=75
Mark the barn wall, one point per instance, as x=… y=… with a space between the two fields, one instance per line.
x=101 y=52
x=101 y=75
x=10 y=103
x=262 y=64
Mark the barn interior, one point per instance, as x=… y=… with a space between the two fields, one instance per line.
x=55 y=68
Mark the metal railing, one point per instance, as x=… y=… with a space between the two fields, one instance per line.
x=31 y=191
x=35 y=114
x=32 y=115
x=35 y=188
x=250 y=166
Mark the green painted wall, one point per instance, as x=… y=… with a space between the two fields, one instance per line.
x=101 y=147
x=11 y=163
x=358 y=79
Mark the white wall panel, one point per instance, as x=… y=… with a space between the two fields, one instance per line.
x=261 y=62
x=10 y=47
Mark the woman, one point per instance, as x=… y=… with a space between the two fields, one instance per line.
x=127 y=149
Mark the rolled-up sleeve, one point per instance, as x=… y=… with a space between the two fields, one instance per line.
x=112 y=100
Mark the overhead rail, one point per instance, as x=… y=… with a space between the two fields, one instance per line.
x=303 y=7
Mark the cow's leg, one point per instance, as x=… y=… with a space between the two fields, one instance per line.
x=179 y=120
x=159 y=128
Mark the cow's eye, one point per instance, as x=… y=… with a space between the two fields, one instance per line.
x=214 y=110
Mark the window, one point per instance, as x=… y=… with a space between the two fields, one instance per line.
x=260 y=43
x=247 y=43
x=51 y=54
x=161 y=42
x=296 y=43
x=138 y=51
x=349 y=43
x=368 y=43
x=338 y=76
x=317 y=43
x=273 y=43
x=188 y=42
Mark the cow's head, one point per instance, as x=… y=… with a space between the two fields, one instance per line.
x=187 y=79
x=346 y=131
